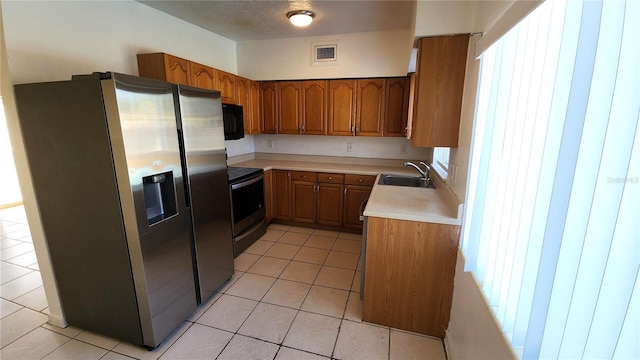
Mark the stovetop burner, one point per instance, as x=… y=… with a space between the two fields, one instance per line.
x=237 y=174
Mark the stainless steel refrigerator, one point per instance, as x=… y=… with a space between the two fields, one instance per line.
x=105 y=160
x=204 y=155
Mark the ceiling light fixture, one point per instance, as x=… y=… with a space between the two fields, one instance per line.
x=300 y=18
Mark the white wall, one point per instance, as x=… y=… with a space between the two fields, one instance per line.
x=473 y=332
x=240 y=146
x=10 y=194
x=441 y=17
x=28 y=195
x=444 y=17
x=363 y=146
x=52 y=40
x=369 y=54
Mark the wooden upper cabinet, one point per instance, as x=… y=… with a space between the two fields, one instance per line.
x=412 y=91
x=269 y=114
x=202 y=76
x=226 y=84
x=164 y=67
x=315 y=102
x=396 y=106
x=256 y=107
x=289 y=109
x=242 y=97
x=370 y=107
x=440 y=70
x=342 y=106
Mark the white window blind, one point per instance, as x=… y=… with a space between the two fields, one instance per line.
x=440 y=162
x=551 y=229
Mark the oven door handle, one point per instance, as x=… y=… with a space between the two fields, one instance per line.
x=248 y=231
x=247 y=182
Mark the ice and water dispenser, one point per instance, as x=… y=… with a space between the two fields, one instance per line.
x=159 y=197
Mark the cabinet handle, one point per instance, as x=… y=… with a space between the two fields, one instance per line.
x=360 y=180
x=304 y=176
x=345 y=191
x=330 y=178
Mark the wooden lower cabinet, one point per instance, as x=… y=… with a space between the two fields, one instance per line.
x=303 y=196
x=357 y=188
x=354 y=195
x=327 y=199
x=409 y=274
x=282 y=194
x=268 y=195
x=329 y=204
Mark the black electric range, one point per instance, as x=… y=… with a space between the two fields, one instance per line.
x=238 y=174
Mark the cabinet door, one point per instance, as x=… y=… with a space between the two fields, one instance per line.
x=303 y=198
x=409 y=274
x=330 y=199
x=268 y=195
x=314 y=107
x=226 y=84
x=255 y=106
x=440 y=70
x=177 y=70
x=202 y=76
x=370 y=107
x=289 y=112
x=396 y=106
x=342 y=106
x=353 y=197
x=282 y=194
x=154 y=66
x=242 y=95
x=269 y=110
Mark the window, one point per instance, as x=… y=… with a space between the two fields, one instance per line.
x=440 y=161
x=551 y=230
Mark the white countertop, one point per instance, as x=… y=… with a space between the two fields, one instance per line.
x=386 y=201
x=413 y=204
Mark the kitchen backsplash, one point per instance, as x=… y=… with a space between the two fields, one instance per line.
x=359 y=146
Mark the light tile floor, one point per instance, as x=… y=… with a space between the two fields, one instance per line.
x=294 y=295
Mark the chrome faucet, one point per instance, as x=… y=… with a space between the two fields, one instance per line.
x=427 y=169
x=425 y=179
x=425 y=174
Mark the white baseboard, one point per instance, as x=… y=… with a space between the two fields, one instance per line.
x=447 y=345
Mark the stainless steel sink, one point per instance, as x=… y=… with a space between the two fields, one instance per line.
x=402 y=180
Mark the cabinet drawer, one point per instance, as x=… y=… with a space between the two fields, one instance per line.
x=367 y=180
x=330 y=178
x=303 y=176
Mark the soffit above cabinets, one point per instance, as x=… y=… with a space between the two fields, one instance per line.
x=245 y=20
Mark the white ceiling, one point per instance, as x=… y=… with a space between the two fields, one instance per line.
x=243 y=20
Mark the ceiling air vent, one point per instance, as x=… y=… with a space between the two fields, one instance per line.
x=325 y=53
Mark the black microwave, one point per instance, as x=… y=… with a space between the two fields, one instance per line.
x=233 y=120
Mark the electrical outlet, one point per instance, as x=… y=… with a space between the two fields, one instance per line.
x=403 y=149
x=349 y=147
x=270 y=144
